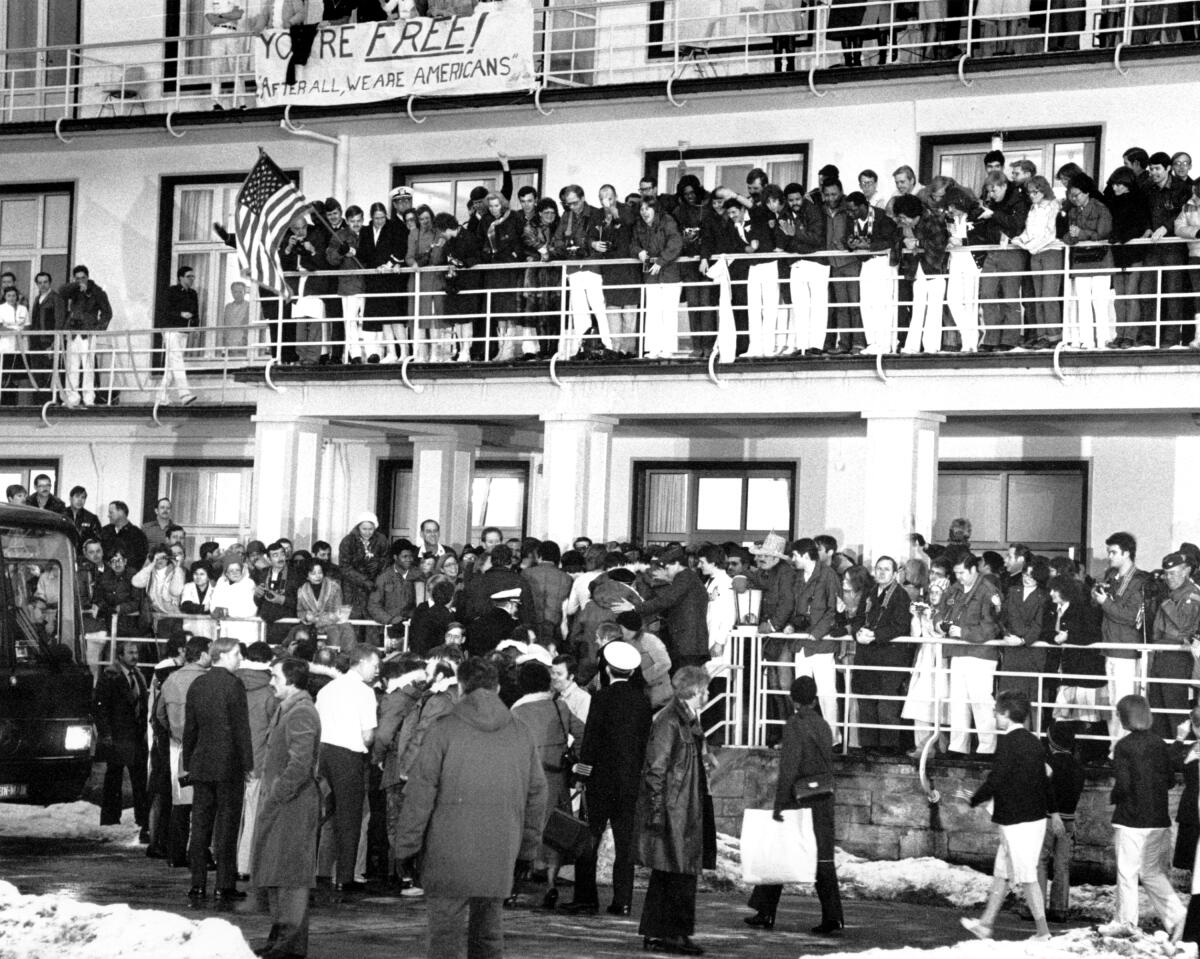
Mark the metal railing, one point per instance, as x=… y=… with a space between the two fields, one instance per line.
x=599 y=43
x=564 y=310
x=936 y=693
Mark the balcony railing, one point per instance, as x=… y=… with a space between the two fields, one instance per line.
x=604 y=43
x=559 y=312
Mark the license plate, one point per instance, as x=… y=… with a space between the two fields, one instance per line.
x=13 y=790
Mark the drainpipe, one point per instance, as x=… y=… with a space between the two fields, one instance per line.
x=341 y=154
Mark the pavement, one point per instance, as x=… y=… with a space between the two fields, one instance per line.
x=379 y=923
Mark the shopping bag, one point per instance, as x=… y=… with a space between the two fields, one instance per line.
x=778 y=852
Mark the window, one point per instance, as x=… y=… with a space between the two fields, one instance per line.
x=715 y=26
x=716 y=503
x=961 y=156
x=21 y=472
x=195 y=65
x=784 y=162
x=447 y=187
x=1043 y=505
x=35 y=232
x=499 y=497
x=210 y=499
x=188 y=207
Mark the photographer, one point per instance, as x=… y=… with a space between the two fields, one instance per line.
x=1120 y=596
x=275 y=593
x=1175 y=624
x=163 y=582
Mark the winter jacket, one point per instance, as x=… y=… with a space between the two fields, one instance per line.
x=683 y=603
x=177 y=302
x=475 y=802
x=1017 y=781
x=394 y=708
x=571 y=240
x=805 y=752
x=1187 y=224
x=289 y=810
x=662 y=243
x=361 y=563
x=1142 y=777
x=88 y=309
x=260 y=705
x=1095 y=223
x=338 y=249
x=216 y=729
x=977 y=613
x=669 y=816
x=1123 y=613
x=1039 y=234
x=393 y=598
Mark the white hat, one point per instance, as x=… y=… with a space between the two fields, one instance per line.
x=399 y=192
x=773 y=545
x=622 y=656
x=537 y=653
x=506 y=594
x=366 y=517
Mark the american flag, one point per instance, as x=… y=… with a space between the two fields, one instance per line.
x=266 y=204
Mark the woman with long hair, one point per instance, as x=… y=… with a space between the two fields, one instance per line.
x=541 y=299
x=319 y=605
x=426 y=248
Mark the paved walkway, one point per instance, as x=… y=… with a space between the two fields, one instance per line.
x=377 y=925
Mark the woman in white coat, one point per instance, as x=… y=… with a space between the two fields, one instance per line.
x=14 y=317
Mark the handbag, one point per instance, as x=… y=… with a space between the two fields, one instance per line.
x=567 y=835
x=813 y=787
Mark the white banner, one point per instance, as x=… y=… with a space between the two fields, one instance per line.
x=487 y=52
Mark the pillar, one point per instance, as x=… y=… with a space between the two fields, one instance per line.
x=287 y=478
x=443 y=473
x=901 y=486
x=575 y=473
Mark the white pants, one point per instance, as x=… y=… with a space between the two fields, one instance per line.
x=809 y=286
x=352 y=311
x=81 y=370
x=661 y=337
x=1122 y=681
x=174 y=369
x=925 y=327
x=587 y=300
x=971 y=681
x=821 y=667
x=718 y=272
x=1145 y=854
x=1093 y=298
x=762 y=307
x=962 y=296
x=877 y=303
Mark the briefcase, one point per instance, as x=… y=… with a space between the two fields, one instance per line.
x=567 y=835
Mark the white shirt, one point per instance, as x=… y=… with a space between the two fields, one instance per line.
x=578 y=701
x=721 y=615
x=237 y=598
x=580 y=594
x=347 y=709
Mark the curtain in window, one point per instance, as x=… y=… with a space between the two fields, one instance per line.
x=193 y=214
x=666 y=503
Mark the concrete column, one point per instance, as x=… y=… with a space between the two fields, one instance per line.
x=901 y=480
x=575 y=470
x=443 y=472
x=287 y=478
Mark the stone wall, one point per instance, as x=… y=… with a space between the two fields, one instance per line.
x=883 y=813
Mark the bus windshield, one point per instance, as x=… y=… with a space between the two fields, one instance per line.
x=38 y=596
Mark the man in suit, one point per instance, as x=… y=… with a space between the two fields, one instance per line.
x=495 y=576
x=275 y=593
x=610 y=762
x=550 y=587
x=886 y=619
x=219 y=759
x=48 y=316
x=683 y=602
x=119 y=708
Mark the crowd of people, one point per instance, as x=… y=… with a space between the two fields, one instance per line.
x=327 y=734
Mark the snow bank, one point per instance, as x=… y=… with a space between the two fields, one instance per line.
x=1078 y=942
x=76 y=820
x=925 y=880
x=56 y=927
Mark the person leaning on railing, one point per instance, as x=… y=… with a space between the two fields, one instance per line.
x=1165 y=196
x=462 y=301
x=1121 y=597
x=1089 y=221
x=1002 y=218
x=1040 y=240
x=88 y=313
x=972 y=615
x=1130 y=221
x=14 y=319
x=885 y=619
x=1177 y=624
x=1187 y=226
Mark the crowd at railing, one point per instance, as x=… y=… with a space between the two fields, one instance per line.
x=594 y=43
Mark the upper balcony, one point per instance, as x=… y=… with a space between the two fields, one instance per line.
x=129 y=72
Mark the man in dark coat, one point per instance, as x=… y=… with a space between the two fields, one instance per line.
x=486 y=632
x=285 y=837
x=87 y=524
x=43 y=495
x=119 y=709
x=805 y=755
x=218 y=758
x=610 y=761
x=47 y=315
x=887 y=619
x=550 y=587
x=683 y=601
x=475 y=804
x=121 y=533
x=275 y=593
x=495 y=576
x=115 y=595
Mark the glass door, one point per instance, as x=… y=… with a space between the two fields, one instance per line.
x=37 y=74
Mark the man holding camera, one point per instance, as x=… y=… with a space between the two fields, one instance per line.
x=1120 y=596
x=1176 y=624
x=275 y=593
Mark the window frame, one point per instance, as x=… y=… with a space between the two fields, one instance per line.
x=653 y=159
x=983 y=138
x=1082 y=468
x=50 y=465
x=41 y=189
x=152 y=480
x=403 y=174
x=660 y=47
x=512 y=466
x=698 y=469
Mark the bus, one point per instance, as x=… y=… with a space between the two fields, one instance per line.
x=47 y=739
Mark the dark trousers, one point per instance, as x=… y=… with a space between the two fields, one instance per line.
x=867 y=685
x=289 y=919
x=216 y=816
x=344 y=771
x=1000 y=283
x=114 y=777
x=779 y=649
x=466 y=928
x=1169 y=701
x=846 y=329
x=669 y=911
x=1167 y=283
x=701 y=317
x=178 y=833
x=604 y=811
x=766 y=898
x=738 y=272
x=1191 y=924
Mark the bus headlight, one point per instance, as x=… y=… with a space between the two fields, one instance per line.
x=78 y=739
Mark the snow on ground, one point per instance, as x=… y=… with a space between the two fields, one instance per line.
x=57 y=927
x=76 y=820
x=1070 y=945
